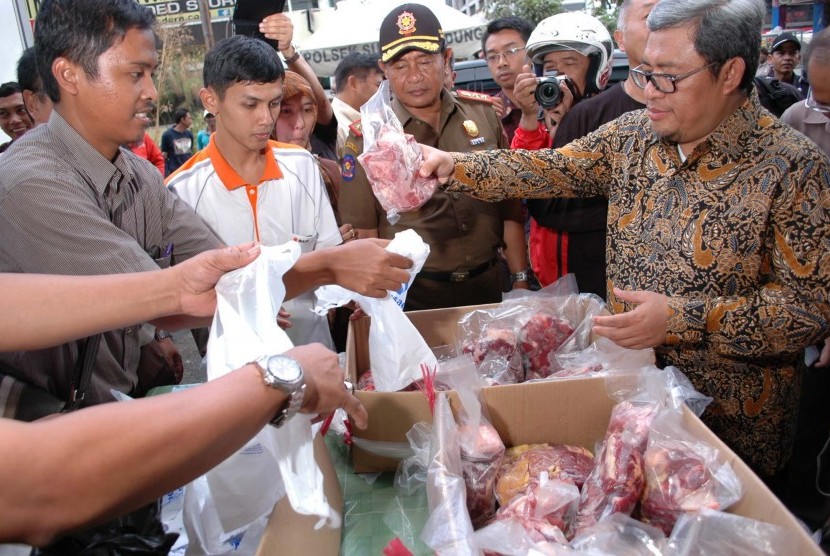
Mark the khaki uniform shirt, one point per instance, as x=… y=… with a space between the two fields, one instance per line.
x=736 y=236
x=462 y=232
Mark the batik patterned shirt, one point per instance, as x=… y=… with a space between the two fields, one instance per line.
x=737 y=236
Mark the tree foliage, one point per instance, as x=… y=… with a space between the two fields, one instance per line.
x=179 y=73
x=532 y=10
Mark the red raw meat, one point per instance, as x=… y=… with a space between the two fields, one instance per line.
x=480 y=461
x=366 y=381
x=495 y=343
x=545 y=511
x=538 y=339
x=617 y=481
x=392 y=165
x=522 y=466
x=678 y=479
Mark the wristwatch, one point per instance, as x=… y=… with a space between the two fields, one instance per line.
x=284 y=373
x=160 y=334
x=521 y=276
x=294 y=57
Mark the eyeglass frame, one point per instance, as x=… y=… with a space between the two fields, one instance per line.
x=496 y=57
x=811 y=103
x=673 y=79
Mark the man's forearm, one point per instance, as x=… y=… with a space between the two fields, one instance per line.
x=84 y=469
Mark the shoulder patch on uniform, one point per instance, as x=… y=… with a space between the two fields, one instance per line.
x=472 y=95
x=347 y=167
x=357 y=128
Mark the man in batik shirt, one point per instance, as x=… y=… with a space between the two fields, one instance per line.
x=718 y=221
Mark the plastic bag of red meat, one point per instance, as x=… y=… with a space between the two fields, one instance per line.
x=523 y=465
x=392 y=158
x=556 y=320
x=481 y=447
x=545 y=509
x=617 y=480
x=683 y=474
x=490 y=337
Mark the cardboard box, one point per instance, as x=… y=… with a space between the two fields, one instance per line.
x=392 y=414
x=570 y=411
x=288 y=532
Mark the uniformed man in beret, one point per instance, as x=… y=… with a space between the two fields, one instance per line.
x=465 y=235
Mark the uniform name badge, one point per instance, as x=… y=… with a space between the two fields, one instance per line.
x=471 y=129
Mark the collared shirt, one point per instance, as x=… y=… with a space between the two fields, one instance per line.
x=289 y=203
x=736 y=236
x=65 y=209
x=813 y=124
x=462 y=232
x=345 y=115
x=511 y=117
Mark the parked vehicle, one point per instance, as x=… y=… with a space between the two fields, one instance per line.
x=474 y=75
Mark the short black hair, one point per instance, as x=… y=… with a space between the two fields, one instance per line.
x=179 y=114
x=358 y=64
x=10 y=88
x=27 y=74
x=81 y=31
x=511 y=22
x=241 y=59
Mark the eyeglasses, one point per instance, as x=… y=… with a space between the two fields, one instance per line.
x=813 y=104
x=664 y=82
x=508 y=54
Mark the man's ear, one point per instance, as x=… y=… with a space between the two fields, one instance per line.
x=351 y=82
x=732 y=73
x=67 y=74
x=210 y=100
x=619 y=38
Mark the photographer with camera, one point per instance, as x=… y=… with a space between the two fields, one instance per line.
x=572 y=52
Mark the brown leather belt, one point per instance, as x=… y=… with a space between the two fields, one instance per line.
x=458 y=276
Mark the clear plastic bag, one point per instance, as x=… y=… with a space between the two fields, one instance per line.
x=392 y=158
x=622 y=536
x=522 y=466
x=545 y=509
x=715 y=533
x=683 y=474
x=449 y=529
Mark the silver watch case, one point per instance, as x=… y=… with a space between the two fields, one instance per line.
x=284 y=373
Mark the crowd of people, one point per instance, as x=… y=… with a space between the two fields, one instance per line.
x=677 y=194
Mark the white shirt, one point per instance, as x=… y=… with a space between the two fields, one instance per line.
x=289 y=204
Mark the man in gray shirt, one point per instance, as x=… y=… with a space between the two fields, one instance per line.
x=73 y=202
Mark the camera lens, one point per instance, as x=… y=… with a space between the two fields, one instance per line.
x=548 y=94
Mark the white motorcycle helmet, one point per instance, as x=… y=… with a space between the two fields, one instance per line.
x=575 y=31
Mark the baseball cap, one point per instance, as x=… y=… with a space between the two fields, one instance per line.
x=207 y=113
x=782 y=38
x=410 y=27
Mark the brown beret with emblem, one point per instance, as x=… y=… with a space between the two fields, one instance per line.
x=410 y=27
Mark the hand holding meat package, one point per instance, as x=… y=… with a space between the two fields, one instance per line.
x=392 y=158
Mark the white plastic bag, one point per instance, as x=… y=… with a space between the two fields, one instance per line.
x=397 y=348
x=242 y=490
